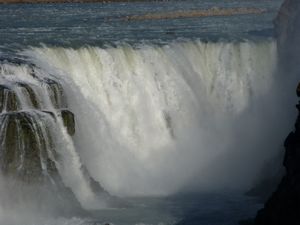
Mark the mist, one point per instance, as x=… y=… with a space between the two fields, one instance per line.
x=153 y=121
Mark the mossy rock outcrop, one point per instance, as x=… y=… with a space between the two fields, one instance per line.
x=25 y=146
x=27 y=161
x=29 y=108
x=33 y=109
x=15 y=90
x=10 y=97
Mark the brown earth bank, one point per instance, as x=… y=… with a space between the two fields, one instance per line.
x=215 y=11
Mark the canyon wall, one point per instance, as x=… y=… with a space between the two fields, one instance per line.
x=283 y=207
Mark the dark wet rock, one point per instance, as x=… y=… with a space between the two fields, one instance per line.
x=27 y=157
x=110 y=200
x=95 y=186
x=8 y=99
x=68 y=120
x=247 y=222
x=298 y=90
x=56 y=93
x=264 y=188
x=51 y=83
x=12 y=91
x=168 y=121
x=55 y=89
x=50 y=113
x=24 y=140
x=31 y=95
x=287 y=32
x=28 y=154
x=268 y=179
x=283 y=207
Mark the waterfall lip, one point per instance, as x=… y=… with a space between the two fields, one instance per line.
x=30 y=112
x=139 y=107
x=10 y=84
x=25 y=62
x=19 y=61
x=5 y=86
x=54 y=114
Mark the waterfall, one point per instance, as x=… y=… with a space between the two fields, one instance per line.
x=35 y=132
x=153 y=120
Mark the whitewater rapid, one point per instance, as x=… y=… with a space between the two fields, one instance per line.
x=153 y=120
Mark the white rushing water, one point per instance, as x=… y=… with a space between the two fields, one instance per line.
x=34 y=99
x=152 y=120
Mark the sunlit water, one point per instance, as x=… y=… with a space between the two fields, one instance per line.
x=75 y=25
x=162 y=106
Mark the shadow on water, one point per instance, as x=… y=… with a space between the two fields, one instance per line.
x=184 y=209
x=215 y=209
